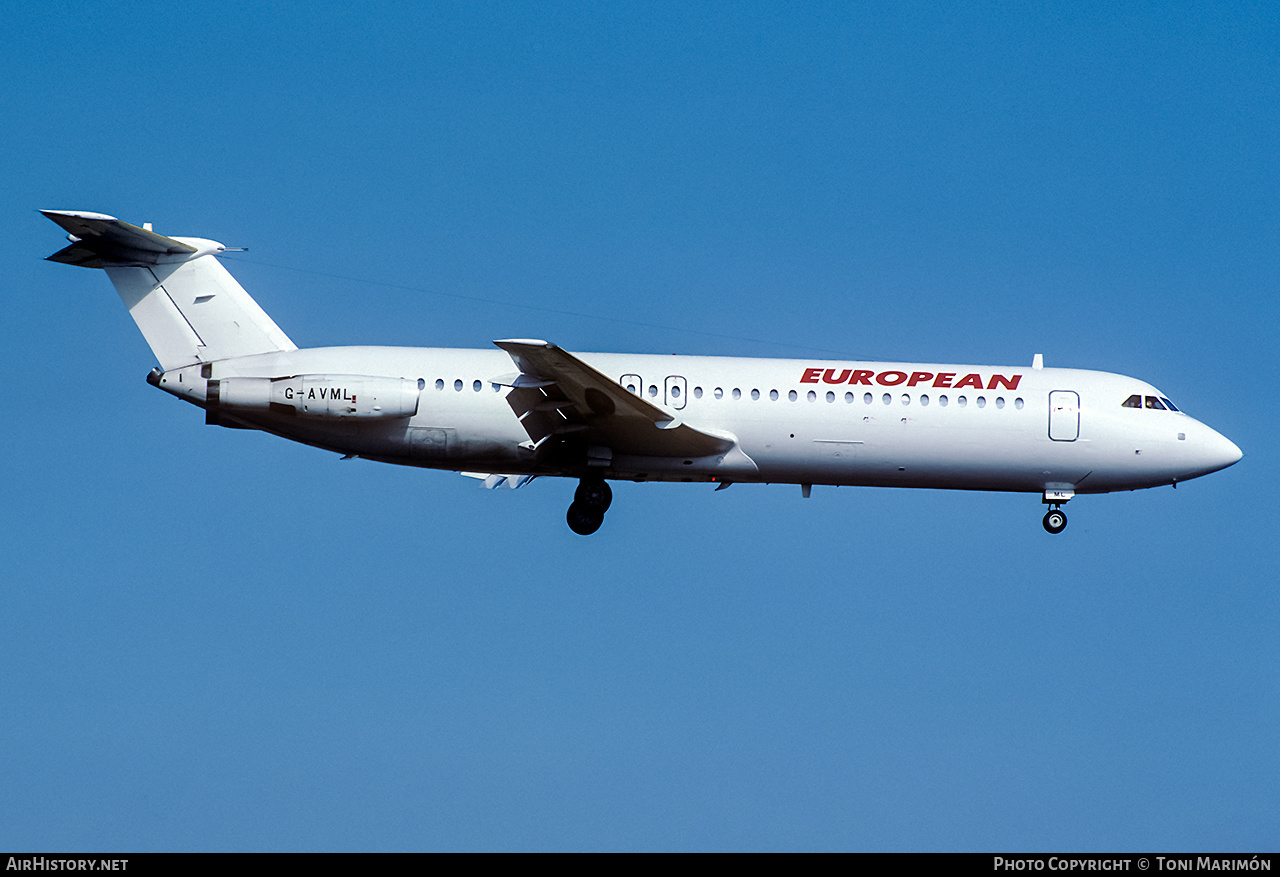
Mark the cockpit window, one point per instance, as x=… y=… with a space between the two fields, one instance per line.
x=1155 y=403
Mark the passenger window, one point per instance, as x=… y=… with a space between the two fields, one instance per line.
x=653 y=390
x=924 y=400
x=773 y=395
x=1134 y=401
x=457 y=385
x=811 y=395
x=755 y=394
x=792 y=395
x=831 y=397
x=697 y=392
x=737 y=394
x=719 y=393
x=1153 y=402
x=439 y=383
x=942 y=400
x=477 y=386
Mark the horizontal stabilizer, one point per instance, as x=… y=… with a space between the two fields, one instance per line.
x=99 y=240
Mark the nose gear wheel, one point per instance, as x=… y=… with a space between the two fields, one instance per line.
x=1055 y=520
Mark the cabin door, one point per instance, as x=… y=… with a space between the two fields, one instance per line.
x=1064 y=416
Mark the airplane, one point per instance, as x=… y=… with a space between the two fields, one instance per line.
x=530 y=408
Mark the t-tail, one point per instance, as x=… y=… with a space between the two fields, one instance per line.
x=188 y=307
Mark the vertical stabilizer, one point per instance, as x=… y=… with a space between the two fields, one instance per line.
x=187 y=305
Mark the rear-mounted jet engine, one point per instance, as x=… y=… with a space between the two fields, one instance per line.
x=326 y=397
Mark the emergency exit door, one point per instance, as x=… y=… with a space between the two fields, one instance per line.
x=675 y=390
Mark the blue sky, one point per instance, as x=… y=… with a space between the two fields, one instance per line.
x=217 y=640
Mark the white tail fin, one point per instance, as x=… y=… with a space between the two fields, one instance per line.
x=189 y=308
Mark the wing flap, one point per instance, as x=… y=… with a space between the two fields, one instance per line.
x=492 y=481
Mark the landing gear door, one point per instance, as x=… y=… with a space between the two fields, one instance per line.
x=1064 y=415
x=675 y=389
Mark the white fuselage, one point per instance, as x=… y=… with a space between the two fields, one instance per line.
x=530 y=408
x=795 y=421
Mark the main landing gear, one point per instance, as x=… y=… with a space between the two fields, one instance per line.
x=590 y=501
x=1055 y=520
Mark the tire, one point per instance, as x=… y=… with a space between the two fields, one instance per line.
x=583 y=521
x=1055 y=521
x=593 y=495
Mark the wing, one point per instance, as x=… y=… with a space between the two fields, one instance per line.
x=556 y=394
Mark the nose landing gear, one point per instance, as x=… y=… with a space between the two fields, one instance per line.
x=590 y=501
x=1055 y=520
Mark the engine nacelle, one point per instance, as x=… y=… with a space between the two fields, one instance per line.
x=327 y=397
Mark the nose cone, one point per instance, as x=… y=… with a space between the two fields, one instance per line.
x=1231 y=454
x=1215 y=451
